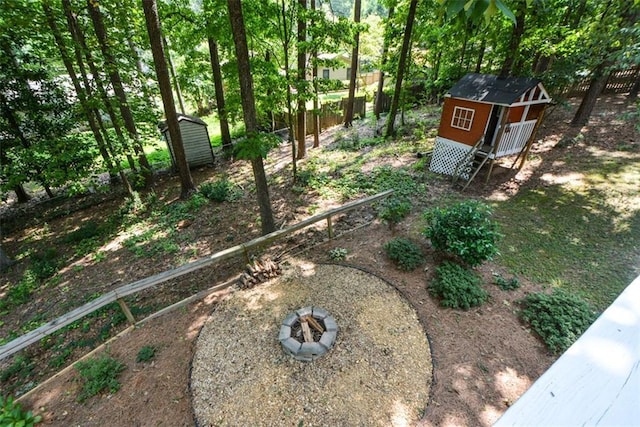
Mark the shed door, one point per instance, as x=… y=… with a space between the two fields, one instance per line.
x=492 y=125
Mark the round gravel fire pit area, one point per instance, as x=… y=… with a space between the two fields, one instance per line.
x=253 y=365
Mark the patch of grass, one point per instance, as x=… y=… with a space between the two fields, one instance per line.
x=559 y=318
x=405 y=253
x=585 y=241
x=504 y=284
x=457 y=287
x=99 y=375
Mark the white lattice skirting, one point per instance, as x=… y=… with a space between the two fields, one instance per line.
x=446 y=155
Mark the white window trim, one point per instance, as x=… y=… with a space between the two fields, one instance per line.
x=457 y=115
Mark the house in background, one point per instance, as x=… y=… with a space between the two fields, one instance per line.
x=342 y=70
x=484 y=118
x=195 y=139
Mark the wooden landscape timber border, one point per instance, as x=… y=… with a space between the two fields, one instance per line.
x=118 y=294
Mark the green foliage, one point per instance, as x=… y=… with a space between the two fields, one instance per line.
x=559 y=318
x=99 y=375
x=338 y=254
x=146 y=353
x=457 y=287
x=86 y=231
x=464 y=230
x=44 y=264
x=394 y=209
x=221 y=190
x=405 y=253
x=255 y=145
x=355 y=143
x=506 y=285
x=12 y=414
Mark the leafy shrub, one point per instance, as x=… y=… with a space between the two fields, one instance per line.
x=12 y=414
x=457 y=287
x=99 y=375
x=394 y=209
x=506 y=285
x=146 y=353
x=221 y=190
x=44 y=264
x=559 y=318
x=338 y=254
x=464 y=230
x=406 y=254
x=86 y=231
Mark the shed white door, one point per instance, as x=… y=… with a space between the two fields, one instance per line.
x=515 y=137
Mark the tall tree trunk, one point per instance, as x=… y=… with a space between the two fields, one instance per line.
x=348 y=115
x=174 y=78
x=406 y=42
x=21 y=193
x=483 y=47
x=285 y=48
x=14 y=127
x=377 y=109
x=87 y=110
x=220 y=103
x=249 y=111
x=301 y=128
x=314 y=72
x=514 y=42
x=159 y=60
x=81 y=49
x=597 y=84
x=116 y=82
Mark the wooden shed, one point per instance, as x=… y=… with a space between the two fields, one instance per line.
x=485 y=117
x=195 y=138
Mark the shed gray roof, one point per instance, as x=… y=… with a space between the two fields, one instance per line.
x=492 y=89
x=183 y=117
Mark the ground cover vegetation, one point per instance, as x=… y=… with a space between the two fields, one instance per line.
x=79 y=113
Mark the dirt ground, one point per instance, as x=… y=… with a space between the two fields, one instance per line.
x=483 y=359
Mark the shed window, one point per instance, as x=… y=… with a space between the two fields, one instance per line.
x=325 y=73
x=462 y=118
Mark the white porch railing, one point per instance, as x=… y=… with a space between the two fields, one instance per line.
x=515 y=137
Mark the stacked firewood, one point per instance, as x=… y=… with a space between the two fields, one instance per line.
x=260 y=271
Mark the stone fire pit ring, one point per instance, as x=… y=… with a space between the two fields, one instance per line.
x=308 y=351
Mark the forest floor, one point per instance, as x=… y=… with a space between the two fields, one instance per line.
x=483 y=359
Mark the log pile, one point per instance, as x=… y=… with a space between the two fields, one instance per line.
x=260 y=271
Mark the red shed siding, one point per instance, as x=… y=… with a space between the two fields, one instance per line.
x=477 y=128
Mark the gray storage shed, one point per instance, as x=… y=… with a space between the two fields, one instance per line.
x=195 y=138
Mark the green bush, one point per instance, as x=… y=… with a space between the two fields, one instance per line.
x=464 y=230
x=457 y=287
x=12 y=414
x=394 y=209
x=44 y=264
x=406 y=254
x=146 y=353
x=559 y=318
x=99 y=375
x=222 y=190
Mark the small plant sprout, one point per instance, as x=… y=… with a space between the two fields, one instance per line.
x=504 y=284
x=99 y=375
x=338 y=254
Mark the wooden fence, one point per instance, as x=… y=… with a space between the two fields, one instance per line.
x=118 y=294
x=331 y=114
x=620 y=81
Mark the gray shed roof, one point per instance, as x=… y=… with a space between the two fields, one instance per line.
x=183 y=117
x=492 y=89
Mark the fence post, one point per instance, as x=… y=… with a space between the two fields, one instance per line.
x=330 y=227
x=127 y=312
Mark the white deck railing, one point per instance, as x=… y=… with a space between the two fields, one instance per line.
x=515 y=137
